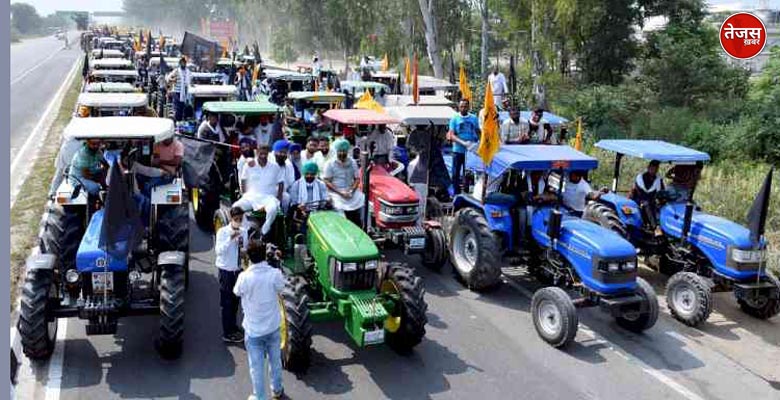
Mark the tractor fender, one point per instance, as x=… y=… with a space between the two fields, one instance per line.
x=177 y=258
x=41 y=261
x=627 y=210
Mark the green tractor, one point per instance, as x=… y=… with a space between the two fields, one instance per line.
x=334 y=272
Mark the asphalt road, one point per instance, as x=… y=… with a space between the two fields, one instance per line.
x=38 y=68
x=477 y=346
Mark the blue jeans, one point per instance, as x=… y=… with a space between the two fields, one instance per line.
x=257 y=348
x=178 y=108
x=91 y=187
x=458 y=164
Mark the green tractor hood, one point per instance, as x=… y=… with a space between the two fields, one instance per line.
x=341 y=238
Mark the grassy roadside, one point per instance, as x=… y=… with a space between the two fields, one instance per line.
x=30 y=202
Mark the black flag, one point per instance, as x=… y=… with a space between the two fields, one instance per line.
x=85 y=67
x=197 y=161
x=758 y=211
x=121 y=229
x=512 y=78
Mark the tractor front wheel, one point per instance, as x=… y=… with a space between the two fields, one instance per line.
x=762 y=306
x=641 y=321
x=554 y=316
x=171 y=311
x=435 y=253
x=405 y=327
x=475 y=251
x=295 y=328
x=173 y=233
x=689 y=298
x=37 y=328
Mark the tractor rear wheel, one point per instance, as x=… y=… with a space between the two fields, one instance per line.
x=475 y=252
x=435 y=254
x=61 y=232
x=606 y=217
x=173 y=233
x=762 y=306
x=639 y=322
x=171 y=311
x=405 y=327
x=295 y=329
x=37 y=328
x=689 y=298
x=204 y=213
x=554 y=316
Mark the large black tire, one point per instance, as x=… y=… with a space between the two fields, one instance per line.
x=606 y=217
x=765 y=306
x=435 y=254
x=475 y=251
x=689 y=298
x=173 y=233
x=37 y=328
x=639 y=322
x=61 y=232
x=171 y=311
x=204 y=214
x=411 y=309
x=296 y=327
x=554 y=316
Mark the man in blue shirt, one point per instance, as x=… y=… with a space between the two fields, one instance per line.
x=464 y=132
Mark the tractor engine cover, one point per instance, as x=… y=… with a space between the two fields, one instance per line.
x=90 y=257
x=392 y=192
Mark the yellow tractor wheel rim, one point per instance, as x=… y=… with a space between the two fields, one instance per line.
x=195 y=199
x=283 y=325
x=392 y=322
x=217 y=223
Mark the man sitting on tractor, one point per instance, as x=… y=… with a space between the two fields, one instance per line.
x=280 y=154
x=168 y=155
x=262 y=184
x=683 y=177
x=341 y=177
x=88 y=167
x=646 y=187
x=577 y=192
x=306 y=191
x=312 y=151
x=210 y=129
x=263 y=131
x=379 y=144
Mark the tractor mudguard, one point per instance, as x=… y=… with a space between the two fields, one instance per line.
x=580 y=243
x=712 y=236
x=178 y=258
x=41 y=261
x=627 y=209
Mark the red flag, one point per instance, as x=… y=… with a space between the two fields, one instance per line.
x=415 y=83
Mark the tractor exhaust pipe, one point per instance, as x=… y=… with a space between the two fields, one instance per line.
x=367 y=166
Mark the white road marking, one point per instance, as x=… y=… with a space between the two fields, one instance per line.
x=36 y=66
x=658 y=375
x=54 y=381
x=35 y=136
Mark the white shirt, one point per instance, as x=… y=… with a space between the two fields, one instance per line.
x=226 y=248
x=306 y=156
x=498 y=83
x=259 y=287
x=574 y=194
x=263 y=134
x=262 y=180
x=384 y=143
x=183 y=79
x=205 y=127
x=512 y=132
x=288 y=171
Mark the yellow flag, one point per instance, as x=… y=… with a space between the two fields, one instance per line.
x=578 y=138
x=162 y=42
x=367 y=102
x=465 y=90
x=385 y=64
x=255 y=71
x=224 y=49
x=490 y=141
x=408 y=75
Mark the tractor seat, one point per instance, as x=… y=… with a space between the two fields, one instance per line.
x=501 y=199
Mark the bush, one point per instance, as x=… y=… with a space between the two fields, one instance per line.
x=669 y=123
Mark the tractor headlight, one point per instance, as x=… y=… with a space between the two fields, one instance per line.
x=72 y=276
x=371 y=264
x=613 y=267
x=629 y=266
x=348 y=267
x=747 y=256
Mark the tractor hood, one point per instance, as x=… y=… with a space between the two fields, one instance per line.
x=341 y=238
x=390 y=189
x=595 y=239
x=708 y=230
x=90 y=257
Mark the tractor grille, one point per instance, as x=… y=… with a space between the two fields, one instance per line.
x=356 y=280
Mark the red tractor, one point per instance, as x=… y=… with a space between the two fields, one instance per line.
x=392 y=213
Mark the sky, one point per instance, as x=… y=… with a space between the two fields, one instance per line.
x=46 y=7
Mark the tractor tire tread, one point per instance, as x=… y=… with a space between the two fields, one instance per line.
x=486 y=273
x=702 y=291
x=413 y=309
x=32 y=325
x=295 y=301
x=172 y=290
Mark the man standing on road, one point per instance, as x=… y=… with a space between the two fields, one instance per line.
x=180 y=78
x=464 y=131
x=259 y=287
x=231 y=239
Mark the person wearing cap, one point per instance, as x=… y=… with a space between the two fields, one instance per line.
x=262 y=185
x=341 y=176
x=180 y=78
x=306 y=191
x=280 y=156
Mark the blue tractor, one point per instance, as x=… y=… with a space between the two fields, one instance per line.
x=499 y=221
x=701 y=252
x=74 y=275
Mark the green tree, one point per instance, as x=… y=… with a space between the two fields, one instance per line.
x=282 y=49
x=607 y=47
x=25 y=18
